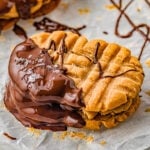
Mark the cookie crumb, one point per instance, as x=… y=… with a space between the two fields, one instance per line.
x=12 y=48
x=90 y=139
x=147 y=109
x=110 y=7
x=34 y=131
x=83 y=11
x=31 y=21
x=103 y=142
x=2 y=105
x=60 y=136
x=148 y=93
x=75 y=135
x=138 y=9
x=2 y=38
x=55 y=136
x=64 y=5
x=147 y=62
x=81 y=135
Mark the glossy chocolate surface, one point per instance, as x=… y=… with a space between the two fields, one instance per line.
x=39 y=93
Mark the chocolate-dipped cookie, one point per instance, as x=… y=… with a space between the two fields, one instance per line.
x=61 y=79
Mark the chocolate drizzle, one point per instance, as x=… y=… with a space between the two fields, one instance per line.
x=9 y=136
x=20 y=32
x=62 y=50
x=135 y=27
x=49 y=25
x=96 y=53
x=39 y=94
x=148 y=2
x=52 y=45
x=118 y=75
x=95 y=61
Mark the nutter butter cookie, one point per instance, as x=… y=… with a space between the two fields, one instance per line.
x=61 y=79
x=12 y=10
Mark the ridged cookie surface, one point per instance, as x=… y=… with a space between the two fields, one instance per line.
x=110 y=78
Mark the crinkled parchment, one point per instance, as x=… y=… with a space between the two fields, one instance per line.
x=99 y=16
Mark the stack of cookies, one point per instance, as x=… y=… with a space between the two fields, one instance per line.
x=13 y=10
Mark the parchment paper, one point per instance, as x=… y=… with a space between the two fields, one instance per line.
x=134 y=134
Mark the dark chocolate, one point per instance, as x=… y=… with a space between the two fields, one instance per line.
x=52 y=45
x=96 y=53
x=39 y=94
x=135 y=27
x=118 y=75
x=49 y=25
x=62 y=50
x=20 y=32
x=148 y=2
x=23 y=7
x=105 y=32
x=95 y=61
x=5 y=6
x=9 y=136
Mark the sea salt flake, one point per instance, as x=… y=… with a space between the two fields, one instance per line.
x=33 y=77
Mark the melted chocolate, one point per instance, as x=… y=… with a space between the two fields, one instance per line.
x=49 y=25
x=100 y=69
x=23 y=8
x=5 y=6
x=39 y=94
x=133 y=25
x=20 y=32
x=62 y=50
x=9 y=136
x=120 y=74
x=96 y=53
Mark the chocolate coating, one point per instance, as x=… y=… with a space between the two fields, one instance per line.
x=23 y=7
x=39 y=94
x=5 y=6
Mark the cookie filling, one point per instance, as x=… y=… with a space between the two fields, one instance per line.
x=39 y=94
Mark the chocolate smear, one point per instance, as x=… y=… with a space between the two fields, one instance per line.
x=49 y=25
